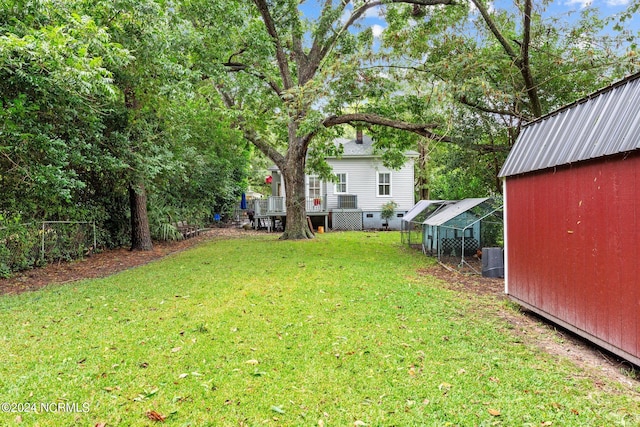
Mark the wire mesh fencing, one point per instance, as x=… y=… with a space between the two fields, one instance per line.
x=27 y=245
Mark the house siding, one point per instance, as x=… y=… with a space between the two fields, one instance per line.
x=363 y=180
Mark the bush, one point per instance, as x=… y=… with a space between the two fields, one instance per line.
x=388 y=210
x=19 y=249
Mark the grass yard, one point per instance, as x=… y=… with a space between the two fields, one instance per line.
x=338 y=331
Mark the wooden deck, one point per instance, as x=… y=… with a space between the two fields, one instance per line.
x=270 y=213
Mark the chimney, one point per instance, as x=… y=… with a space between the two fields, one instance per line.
x=358 y=136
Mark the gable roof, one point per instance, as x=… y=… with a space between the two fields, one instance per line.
x=604 y=123
x=352 y=149
x=420 y=207
x=453 y=210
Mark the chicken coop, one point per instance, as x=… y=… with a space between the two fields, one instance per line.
x=411 y=226
x=457 y=232
x=572 y=223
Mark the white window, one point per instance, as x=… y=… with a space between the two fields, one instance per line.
x=384 y=184
x=341 y=185
x=314 y=187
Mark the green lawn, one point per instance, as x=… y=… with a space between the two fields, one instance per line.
x=338 y=331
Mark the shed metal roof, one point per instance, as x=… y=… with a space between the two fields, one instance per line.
x=418 y=208
x=453 y=210
x=604 y=123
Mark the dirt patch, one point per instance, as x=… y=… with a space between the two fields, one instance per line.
x=106 y=263
x=595 y=362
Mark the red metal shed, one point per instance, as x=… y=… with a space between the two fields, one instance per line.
x=572 y=218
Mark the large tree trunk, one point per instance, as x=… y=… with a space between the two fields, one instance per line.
x=423 y=174
x=140 y=233
x=294 y=186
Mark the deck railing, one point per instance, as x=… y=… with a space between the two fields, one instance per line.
x=316 y=204
x=260 y=206
x=277 y=204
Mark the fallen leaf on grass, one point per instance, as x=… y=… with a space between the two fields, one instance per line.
x=183 y=376
x=494 y=412
x=141 y=397
x=277 y=409
x=155 y=416
x=101 y=425
x=18 y=419
x=444 y=387
x=359 y=423
x=176 y=349
x=252 y=362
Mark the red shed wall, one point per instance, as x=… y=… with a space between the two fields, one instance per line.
x=573 y=247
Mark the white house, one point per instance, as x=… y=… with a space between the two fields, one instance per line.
x=355 y=201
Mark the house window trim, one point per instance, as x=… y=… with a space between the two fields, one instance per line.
x=379 y=173
x=346 y=184
x=319 y=187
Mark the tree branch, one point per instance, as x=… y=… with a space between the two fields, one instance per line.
x=238 y=53
x=281 y=57
x=520 y=59
x=525 y=67
x=374 y=119
x=496 y=32
x=264 y=146
x=464 y=100
x=420 y=129
x=235 y=67
x=320 y=49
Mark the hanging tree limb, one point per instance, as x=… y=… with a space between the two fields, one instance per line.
x=374 y=119
x=419 y=129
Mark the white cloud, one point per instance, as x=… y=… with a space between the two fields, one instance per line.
x=374 y=12
x=490 y=7
x=618 y=2
x=582 y=3
x=377 y=30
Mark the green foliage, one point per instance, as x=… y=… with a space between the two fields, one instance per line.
x=481 y=95
x=19 y=244
x=55 y=87
x=388 y=210
x=96 y=95
x=22 y=244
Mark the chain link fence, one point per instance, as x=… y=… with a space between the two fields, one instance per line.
x=28 y=245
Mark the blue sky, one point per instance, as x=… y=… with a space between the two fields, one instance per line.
x=564 y=8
